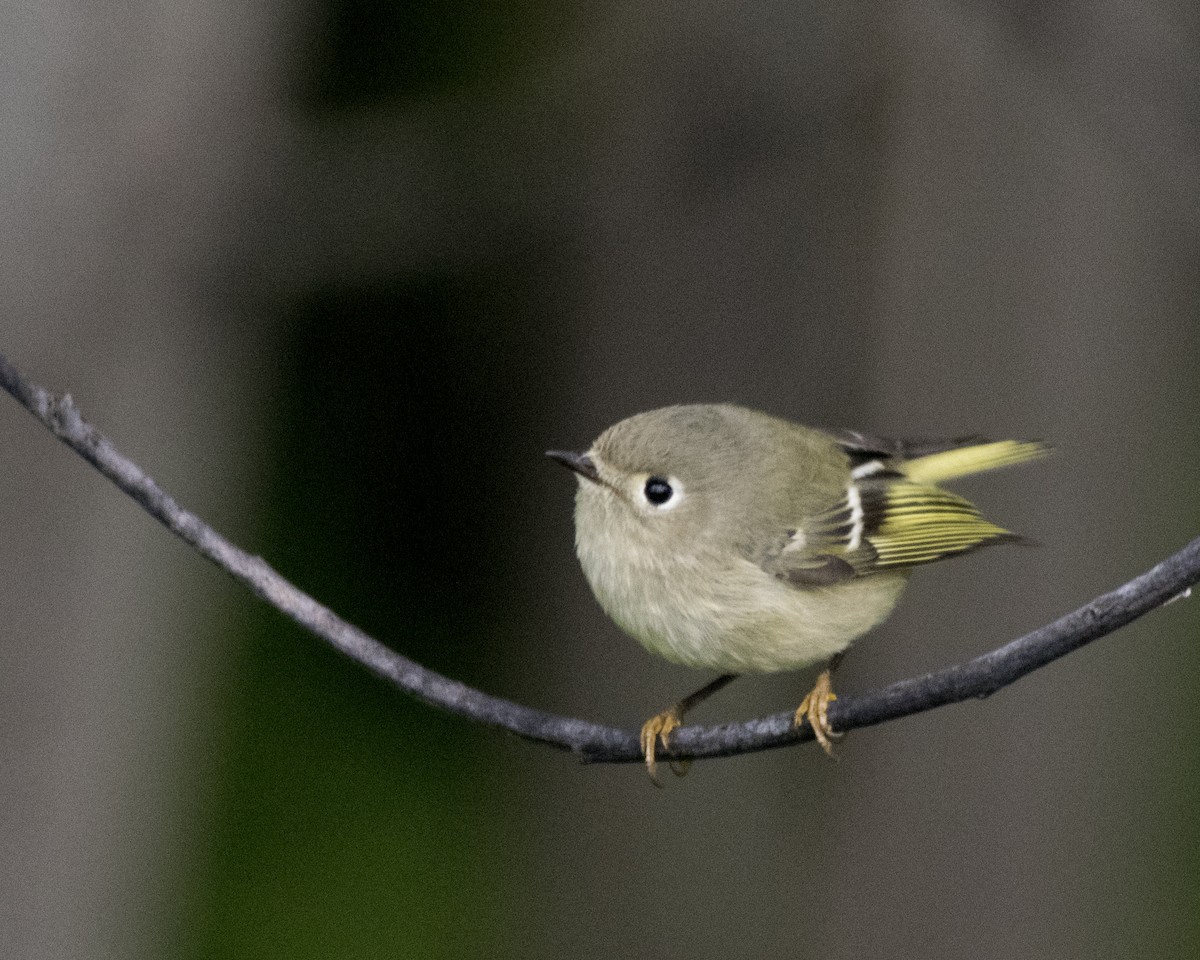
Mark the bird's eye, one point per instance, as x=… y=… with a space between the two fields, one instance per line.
x=658 y=491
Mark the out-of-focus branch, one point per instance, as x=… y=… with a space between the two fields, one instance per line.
x=594 y=743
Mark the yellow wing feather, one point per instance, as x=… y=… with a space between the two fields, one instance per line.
x=962 y=461
x=919 y=524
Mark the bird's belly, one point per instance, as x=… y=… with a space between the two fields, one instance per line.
x=743 y=620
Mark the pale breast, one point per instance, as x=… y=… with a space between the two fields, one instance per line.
x=730 y=615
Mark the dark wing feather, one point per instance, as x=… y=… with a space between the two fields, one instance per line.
x=861 y=447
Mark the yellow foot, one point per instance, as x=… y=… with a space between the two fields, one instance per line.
x=815 y=709
x=658 y=730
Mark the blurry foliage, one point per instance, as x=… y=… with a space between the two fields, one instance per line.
x=349 y=820
x=401 y=405
x=375 y=50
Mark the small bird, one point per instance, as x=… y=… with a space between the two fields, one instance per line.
x=726 y=539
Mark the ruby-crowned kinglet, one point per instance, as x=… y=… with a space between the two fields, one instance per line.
x=730 y=540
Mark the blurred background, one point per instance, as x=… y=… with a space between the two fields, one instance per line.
x=337 y=273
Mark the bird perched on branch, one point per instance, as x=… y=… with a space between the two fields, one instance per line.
x=730 y=540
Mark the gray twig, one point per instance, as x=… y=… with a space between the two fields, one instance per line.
x=592 y=742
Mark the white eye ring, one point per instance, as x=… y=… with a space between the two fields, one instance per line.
x=662 y=493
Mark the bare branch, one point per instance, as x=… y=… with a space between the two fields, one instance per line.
x=591 y=742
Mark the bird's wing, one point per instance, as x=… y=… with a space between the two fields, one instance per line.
x=893 y=516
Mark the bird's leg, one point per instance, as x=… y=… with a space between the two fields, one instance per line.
x=658 y=728
x=815 y=707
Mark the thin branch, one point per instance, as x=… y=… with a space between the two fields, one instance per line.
x=591 y=742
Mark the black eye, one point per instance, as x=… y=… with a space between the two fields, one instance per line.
x=658 y=491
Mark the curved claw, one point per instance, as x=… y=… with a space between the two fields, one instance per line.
x=655 y=730
x=815 y=710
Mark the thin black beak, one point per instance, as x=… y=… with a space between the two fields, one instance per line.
x=581 y=463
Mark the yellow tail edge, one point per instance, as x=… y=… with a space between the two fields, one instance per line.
x=963 y=461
